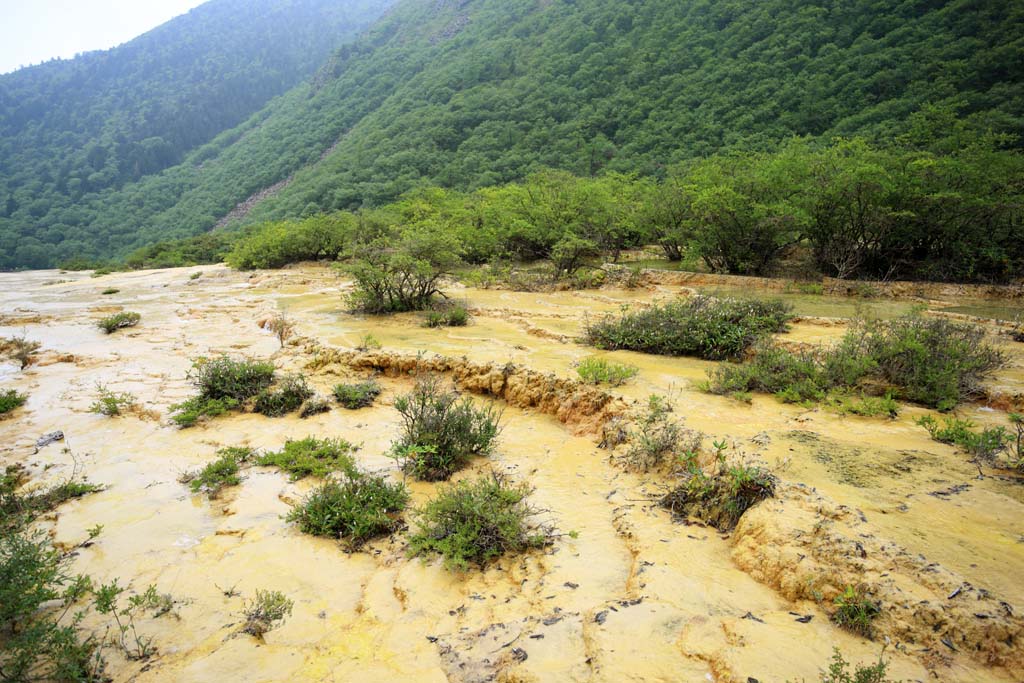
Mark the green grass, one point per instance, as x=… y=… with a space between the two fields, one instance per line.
x=312 y=457
x=221 y=473
x=109 y=291
x=358 y=395
x=596 y=370
x=287 y=395
x=855 y=611
x=11 y=399
x=119 y=321
x=474 y=522
x=356 y=509
x=704 y=327
x=454 y=316
x=111 y=403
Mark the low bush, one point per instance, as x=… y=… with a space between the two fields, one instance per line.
x=227 y=378
x=266 y=612
x=312 y=457
x=865 y=406
x=839 y=671
x=440 y=432
x=658 y=439
x=20 y=349
x=700 y=326
x=595 y=370
x=721 y=496
x=11 y=399
x=287 y=395
x=985 y=446
x=359 y=395
x=281 y=327
x=855 y=611
x=356 y=509
x=111 y=403
x=453 y=316
x=403 y=273
x=118 y=321
x=109 y=291
x=189 y=413
x=476 y=522
x=314 y=406
x=222 y=472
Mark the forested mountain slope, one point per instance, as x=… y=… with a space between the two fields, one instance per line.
x=70 y=129
x=469 y=93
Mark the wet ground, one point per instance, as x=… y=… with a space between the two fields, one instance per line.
x=634 y=596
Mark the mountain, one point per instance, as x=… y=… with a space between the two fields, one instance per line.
x=470 y=93
x=73 y=129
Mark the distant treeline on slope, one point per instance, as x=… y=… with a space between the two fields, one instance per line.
x=914 y=211
x=477 y=93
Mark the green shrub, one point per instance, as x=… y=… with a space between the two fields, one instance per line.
x=274 y=245
x=701 y=326
x=855 y=611
x=721 y=497
x=359 y=395
x=595 y=370
x=985 y=446
x=110 y=403
x=286 y=396
x=658 y=439
x=356 y=509
x=266 y=612
x=311 y=457
x=110 y=290
x=314 y=406
x=476 y=522
x=839 y=671
x=454 y=316
x=113 y=323
x=222 y=472
x=17 y=508
x=226 y=378
x=441 y=433
x=865 y=406
x=188 y=413
x=403 y=273
x=11 y=399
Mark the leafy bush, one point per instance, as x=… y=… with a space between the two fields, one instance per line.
x=701 y=326
x=403 y=273
x=595 y=370
x=356 y=509
x=287 y=395
x=273 y=245
x=113 y=323
x=226 y=378
x=311 y=457
x=222 y=472
x=985 y=446
x=855 y=611
x=266 y=612
x=112 y=403
x=188 y=413
x=454 y=316
x=475 y=522
x=721 y=497
x=359 y=395
x=11 y=399
x=440 y=433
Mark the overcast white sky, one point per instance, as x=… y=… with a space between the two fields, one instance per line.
x=32 y=31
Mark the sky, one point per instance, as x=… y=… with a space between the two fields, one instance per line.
x=33 y=31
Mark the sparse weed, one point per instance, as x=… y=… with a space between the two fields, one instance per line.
x=111 y=403
x=266 y=612
x=282 y=328
x=314 y=406
x=118 y=321
x=368 y=342
x=222 y=472
x=20 y=349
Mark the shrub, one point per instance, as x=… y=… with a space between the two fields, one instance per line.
x=314 y=406
x=189 y=413
x=311 y=457
x=224 y=378
x=111 y=403
x=595 y=370
x=455 y=316
x=282 y=328
x=855 y=611
x=266 y=612
x=286 y=396
x=985 y=446
x=475 y=522
x=658 y=438
x=222 y=472
x=440 y=433
x=701 y=326
x=274 y=245
x=20 y=349
x=402 y=274
x=113 y=323
x=355 y=396
x=368 y=343
x=719 y=498
x=11 y=399
x=356 y=509
x=866 y=406
x=17 y=508
x=839 y=671
x=110 y=290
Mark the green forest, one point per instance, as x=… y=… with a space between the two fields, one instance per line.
x=759 y=100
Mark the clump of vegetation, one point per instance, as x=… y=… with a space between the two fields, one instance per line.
x=865 y=406
x=11 y=399
x=931 y=361
x=356 y=509
x=596 y=370
x=312 y=457
x=222 y=472
x=855 y=611
x=700 y=326
x=112 y=403
x=133 y=644
x=20 y=349
x=110 y=290
x=282 y=328
x=119 y=321
x=658 y=438
x=368 y=342
x=223 y=384
x=839 y=671
x=266 y=612
x=986 y=446
x=452 y=316
x=402 y=273
x=719 y=497
x=17 y=508
x=358 y=395
x=314 y=406
x=476 y=522
x=440 y=432
x=287 y=395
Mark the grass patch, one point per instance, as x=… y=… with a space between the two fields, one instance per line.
x=701 y=326
x=224 y=384
x=355 y=510
x=596 y=370
x=111 y=403
x=839 y=671
x=11 y=399
x=312 y=457
x=440 y=432
x=986 y=446
x=189 y=413
x=476 y=522
x=358 y=395
x=119 y=321
x=286 y=396
x=855 y=612
x=221 y=473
